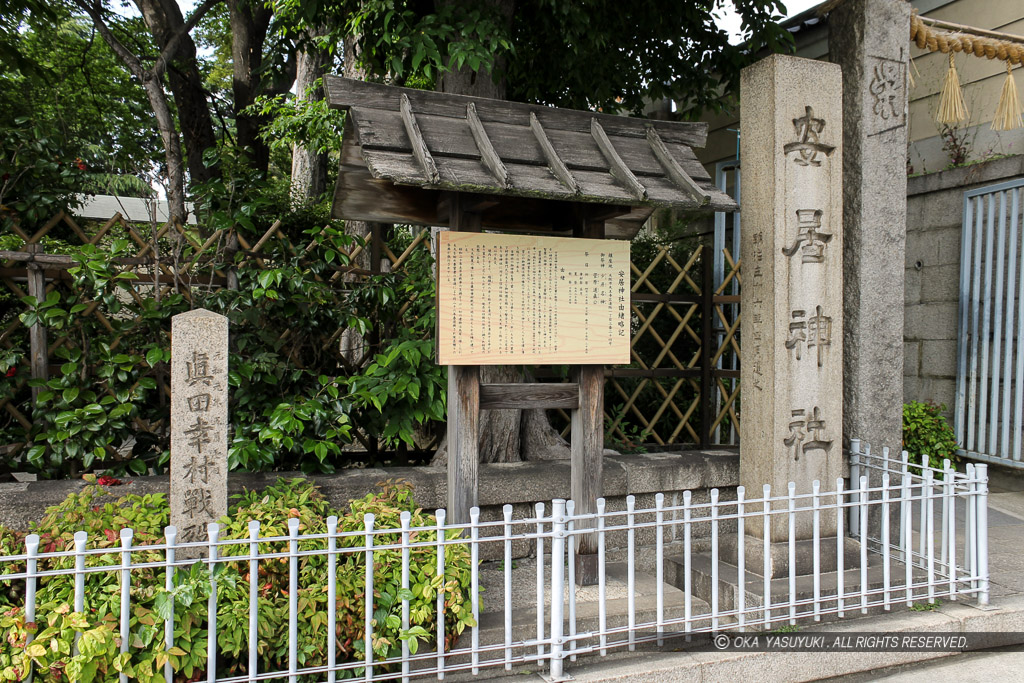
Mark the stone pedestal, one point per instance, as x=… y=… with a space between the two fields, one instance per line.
x=868 y=39
x=792 y=294
x=199 y=424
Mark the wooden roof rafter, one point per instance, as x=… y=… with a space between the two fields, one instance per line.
x=555 y=162
x=531 y=166
x=419 y=147
x=488 y=156
x=673 y=169
x=619 y=170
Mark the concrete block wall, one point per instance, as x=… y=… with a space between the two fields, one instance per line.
x=931 y=301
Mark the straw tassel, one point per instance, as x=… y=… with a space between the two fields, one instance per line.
x=951 y=102
x=911 y=71
x=1008 y=113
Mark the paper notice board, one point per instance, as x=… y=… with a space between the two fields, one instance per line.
x=524 y=300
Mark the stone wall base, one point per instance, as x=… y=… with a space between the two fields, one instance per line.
x=520 y=484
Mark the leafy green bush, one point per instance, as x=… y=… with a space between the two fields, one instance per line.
x=926 y=433
x=296 y=399
x=96 y=510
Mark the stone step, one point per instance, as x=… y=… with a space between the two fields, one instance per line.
x=728 y=585
x=524 y=617
x=779 y=553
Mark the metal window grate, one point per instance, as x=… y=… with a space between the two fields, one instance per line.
x=990 y=363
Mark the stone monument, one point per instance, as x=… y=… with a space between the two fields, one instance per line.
x=792 y=296
x=868 y=39
x=199 y=424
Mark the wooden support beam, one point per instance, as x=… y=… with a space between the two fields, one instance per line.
x=527 y=396
x=463 y=405
x=620 y=171
x=674 y=171
x=490 y=158
x=707 y=324
x=587 y=463
x=419 y=146
x=587 y=445
x=60 y=261
x=555 y=162
x=463 y=440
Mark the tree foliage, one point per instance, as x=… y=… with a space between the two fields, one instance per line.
x=295 y=401
x=103 y=81
x=201 y=103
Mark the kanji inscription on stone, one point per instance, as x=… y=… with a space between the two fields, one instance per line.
x=808 y=144
x=199 y=424
x=810 y=239
x=792 y=293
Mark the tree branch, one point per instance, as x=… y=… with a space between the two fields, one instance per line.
x=172 y=45
x=126 y=55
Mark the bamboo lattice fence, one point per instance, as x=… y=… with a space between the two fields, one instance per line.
x=682 y=386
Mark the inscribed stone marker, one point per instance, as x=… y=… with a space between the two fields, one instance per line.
x=792 y=248
x=199 y=423
x=868 y=39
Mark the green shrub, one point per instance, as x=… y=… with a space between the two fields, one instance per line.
x=102 y=514
x=926 y=433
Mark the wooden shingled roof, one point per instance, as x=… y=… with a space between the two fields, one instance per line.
x=531 y=166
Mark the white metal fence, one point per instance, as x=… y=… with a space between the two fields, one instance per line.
x=917 y=535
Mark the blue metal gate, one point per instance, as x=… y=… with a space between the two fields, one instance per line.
x=990 y=362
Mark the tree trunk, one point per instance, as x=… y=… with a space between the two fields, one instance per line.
x=309 y=168
x=249 y=24
x=172 y=147
x=164 y=19
x=505 y=435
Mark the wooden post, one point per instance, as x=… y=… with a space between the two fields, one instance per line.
x=373 y=337
x=38 y=350
x=463 y=407
x=376 y=247
x=587 y=445
x=707 y=352
x=231 y=274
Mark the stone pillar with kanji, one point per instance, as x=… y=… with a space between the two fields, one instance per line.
x=792 y=297
x=199 y=424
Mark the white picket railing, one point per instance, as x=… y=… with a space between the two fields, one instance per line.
x=899 y=563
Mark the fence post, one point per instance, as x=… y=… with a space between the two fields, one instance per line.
x=126 y=593
x=81 y=538
x=38 y=350
x=213 y=533
x=254 y=573
x=707 y=326
x=982 y=520
x=31 y=549
x=854 y=479
x=557 y=586
x=170 y=536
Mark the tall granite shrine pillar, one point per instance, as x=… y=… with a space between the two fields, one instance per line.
x=868 y=39
x=199 y=424
x=792 y=296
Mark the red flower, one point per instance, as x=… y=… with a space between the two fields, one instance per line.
x=107 y=480
x=11 y=371
x=80 y=164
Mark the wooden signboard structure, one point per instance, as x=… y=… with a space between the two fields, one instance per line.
x=538 y=173
x=527 y=300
